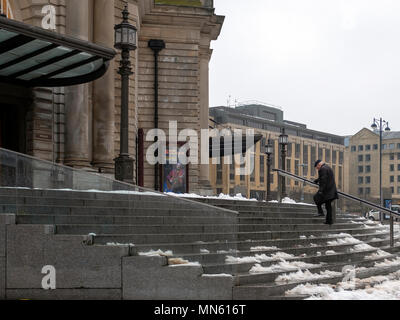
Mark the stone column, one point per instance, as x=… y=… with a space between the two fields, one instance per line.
x=205 y=55
x=76 y=97
x=104 y=90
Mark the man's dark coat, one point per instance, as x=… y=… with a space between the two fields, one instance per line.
x=327 y=186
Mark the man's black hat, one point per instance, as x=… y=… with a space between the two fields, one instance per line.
x=317 y=163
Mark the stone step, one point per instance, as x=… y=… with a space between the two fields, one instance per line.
x=120 y=220
x=260 y=220
x=66 y=210
x=108 y=219
x=262 y=291
x=243 y=268
x=155 y=230
x=211 y=237
x=214 y=246
x=73 y=202
x=220 y=257
x=337 y=266
x=192 y=228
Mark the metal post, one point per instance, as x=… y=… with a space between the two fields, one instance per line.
x=284 y=169
x=391 y=231
x=269 y=162
x=124 y=164
x=279 y=188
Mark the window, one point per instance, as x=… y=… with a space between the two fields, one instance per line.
x=398 y=167
x=341 y=157
x=360 y=169
x=334 y=156
x=398 y=156
x=375 y=147
x=398 y=146
x=320 y=156
x=305 y=154
x=391 y=146
x=368 y=147
x=392 y=190
x=384 y=146
x=289 y=150
x=398 y=190
x=391 y=179
x=313 y=155
x=297 y=150
x=353 y=149
x=368 y=180
x=360 y=158
x=392 y=167
x=368 y=191
x=368 y=157
x=391 y=156
x=327 y=155
x=360 y=180
x=368 y=169
x=360 y=191
x=288 y=165
x=360 y=148
x=398 y=178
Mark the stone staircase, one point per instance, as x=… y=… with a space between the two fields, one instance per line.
x=141 y=246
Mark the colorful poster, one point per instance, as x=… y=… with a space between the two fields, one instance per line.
x=174 y=176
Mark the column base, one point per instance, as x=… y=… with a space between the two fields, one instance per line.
x=124 y=169
x=205 y=189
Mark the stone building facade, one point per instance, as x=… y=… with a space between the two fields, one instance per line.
x=305 y=147
x=79 y=126
x=363 y=159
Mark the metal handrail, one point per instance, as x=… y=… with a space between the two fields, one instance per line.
x=347 y=196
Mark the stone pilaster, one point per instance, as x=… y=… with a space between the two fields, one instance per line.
x=104 y=90
x=76 y=97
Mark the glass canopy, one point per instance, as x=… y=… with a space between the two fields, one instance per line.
x=31 y=56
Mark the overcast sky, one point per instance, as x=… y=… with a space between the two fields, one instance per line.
x=331 y=64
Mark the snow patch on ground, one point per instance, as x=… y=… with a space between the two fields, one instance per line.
x=262 y=248
x=377 y=255
x=153 y=253
x=343 y=241
x=220 y=197
x=259 y=258
x=291 y=201
x=306 y=275
x=282 y=266
x=330 y=252
x=116 y=244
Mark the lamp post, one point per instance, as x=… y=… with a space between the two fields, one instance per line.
x=381 y=125
x=283 y=142
x=269 y=150
x=125 y=40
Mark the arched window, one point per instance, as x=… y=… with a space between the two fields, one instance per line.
x=5 y=8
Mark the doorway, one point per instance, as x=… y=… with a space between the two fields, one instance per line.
x=13 y=128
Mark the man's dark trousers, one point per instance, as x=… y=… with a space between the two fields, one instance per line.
x=328 y=207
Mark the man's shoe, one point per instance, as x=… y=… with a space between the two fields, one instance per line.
x=329 y=223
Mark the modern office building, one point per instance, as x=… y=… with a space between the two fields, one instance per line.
x=364 y=166
x=305 y=147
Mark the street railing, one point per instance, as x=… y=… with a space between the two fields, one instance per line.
x=366 y=203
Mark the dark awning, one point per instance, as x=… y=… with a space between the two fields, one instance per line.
x=31 y=56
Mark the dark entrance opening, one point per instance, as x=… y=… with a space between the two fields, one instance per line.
x=13 y=128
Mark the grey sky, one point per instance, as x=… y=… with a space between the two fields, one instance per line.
x=331 y=64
